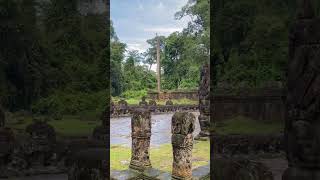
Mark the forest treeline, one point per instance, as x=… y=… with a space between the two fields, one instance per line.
x=181 y=55
x=52 y=58
x=250 y=40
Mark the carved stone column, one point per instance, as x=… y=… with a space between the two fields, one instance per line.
x=141 y=133
x=183 y=125
x=302 y=131
x=204 y=101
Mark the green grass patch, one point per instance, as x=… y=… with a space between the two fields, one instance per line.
x=68 y=126
x=161 y=157
x=242 y=125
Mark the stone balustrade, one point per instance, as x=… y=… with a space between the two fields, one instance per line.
x=127 y=110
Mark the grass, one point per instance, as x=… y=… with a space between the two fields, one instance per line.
x=68 y=126
x=135 y=101
x=161 y=157
x=242 y=125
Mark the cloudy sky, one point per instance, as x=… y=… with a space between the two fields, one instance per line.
x=135 y=21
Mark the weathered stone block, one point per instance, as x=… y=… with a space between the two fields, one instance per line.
x=141 y=133
x=182 y=143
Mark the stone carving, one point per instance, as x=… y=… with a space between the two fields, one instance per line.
x=6 y=144
x=141 y=133
x=204 y=101
x=303 y=97
x=37 y=150
x=2 y=117
x=123 y=106
x=143 y=102
x=90 y=164
x=152 y=105
x=183 y=125
x=169 y=102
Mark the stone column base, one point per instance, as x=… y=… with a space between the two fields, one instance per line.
x=135 y=165
x=293 y=173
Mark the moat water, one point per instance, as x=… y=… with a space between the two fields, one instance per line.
x=120 y=129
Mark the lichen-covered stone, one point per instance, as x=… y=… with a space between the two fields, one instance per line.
x=169 y=102
x=303 y=97
x=183 y=125
x=143 y=102
x=141 y=133
x=123 y=106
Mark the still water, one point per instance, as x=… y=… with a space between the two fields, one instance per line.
x=120 y=130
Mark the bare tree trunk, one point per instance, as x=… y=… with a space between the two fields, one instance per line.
x=158 y=66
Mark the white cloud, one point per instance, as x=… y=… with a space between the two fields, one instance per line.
x=141 y=46
x=160 y=5
x=162 y=30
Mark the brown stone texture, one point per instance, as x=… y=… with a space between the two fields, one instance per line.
x=183 y=125
x=141 y=133
x=303 y=97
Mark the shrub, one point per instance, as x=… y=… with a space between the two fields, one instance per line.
x=70 y=103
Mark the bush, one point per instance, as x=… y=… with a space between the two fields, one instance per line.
x=134 y=94
x=70 y=103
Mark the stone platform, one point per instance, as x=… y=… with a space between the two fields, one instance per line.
x=200 y=173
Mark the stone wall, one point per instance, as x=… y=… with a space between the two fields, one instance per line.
x=259 y=104
x=174 y=95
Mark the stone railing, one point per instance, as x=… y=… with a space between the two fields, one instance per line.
x=174 y=94
x=258 y=104
x=247 y=144
x=127 y=110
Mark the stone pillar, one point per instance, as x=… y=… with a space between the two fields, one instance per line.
x=141 y=133
x=183 y=125
x=204 y=102
x=302 y=127
x=2 y=117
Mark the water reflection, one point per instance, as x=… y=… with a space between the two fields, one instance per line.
x=120 y=131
